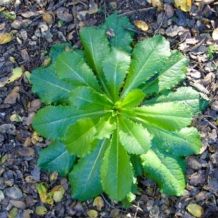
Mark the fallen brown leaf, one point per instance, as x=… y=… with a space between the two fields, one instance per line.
x=140 y=24
x=5 y=38
x=157 y=4
x=16 y=74
x=13 y=96
x=184 y=5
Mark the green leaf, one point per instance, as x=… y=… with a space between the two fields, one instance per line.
x=55 y=158
x=96 y=47
x=86 y=98
x=119 y=30
x=115 y=68
x=116 y=171
x=85 y=176
x=167 y=115
x=79 y=137
x=57 y=49
x=170 y=71
x=71 y=67
x=52 y=121
x=164 y=169
x=48 y=86
x=133 y=99
x=105 y=128
x=179 y=143
x=134 y=137
x=137 y=165
x=145 y=60
x=183 y=95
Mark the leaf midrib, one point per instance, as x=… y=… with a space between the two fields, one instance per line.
x=73 y=116
x=54 y=84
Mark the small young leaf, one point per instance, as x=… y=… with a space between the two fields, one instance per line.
x=145 y=61
x=48 y=86
x=116 y=171
x=105 y=128
x=133 y=99
x=134 y=137
x=79 y=137
x=115 y=68
x=85 y=176
x=119 y=31
x=165 y=170
x=71 y=67
x=55 y=158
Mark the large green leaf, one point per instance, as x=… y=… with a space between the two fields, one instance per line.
x=86 y=98
x=183 y=95
x=134 y=137
x=170 y=71
x=167 y=115
x=146 y=58
x=52 y=121
x=96 y=47
x=57 y=49
x=119 y=30
x=55 y=158
x=48 y=86
x=164 y=169
x=116 y=171
x=115 y=68
x=79 y=137
x=71 y=67
x=85 y=176
x=179 y=143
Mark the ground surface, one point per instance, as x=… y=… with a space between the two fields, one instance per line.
x=33 y=35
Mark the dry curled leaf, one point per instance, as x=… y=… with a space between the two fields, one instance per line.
x=5 y=38
x=184 y=5
x=142 y=25
x=48 y=17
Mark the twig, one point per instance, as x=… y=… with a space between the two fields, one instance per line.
x=134 y=11
x=137 y=209
x=107 y=202
x=59 y=4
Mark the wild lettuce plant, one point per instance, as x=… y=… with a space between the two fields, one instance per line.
x=111 y=115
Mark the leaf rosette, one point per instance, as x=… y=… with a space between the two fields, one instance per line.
x=111 y=114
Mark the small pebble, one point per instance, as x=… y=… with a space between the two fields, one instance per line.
x=2 y=196
x=13 y=193
x=214 y=106
x=18 y=204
